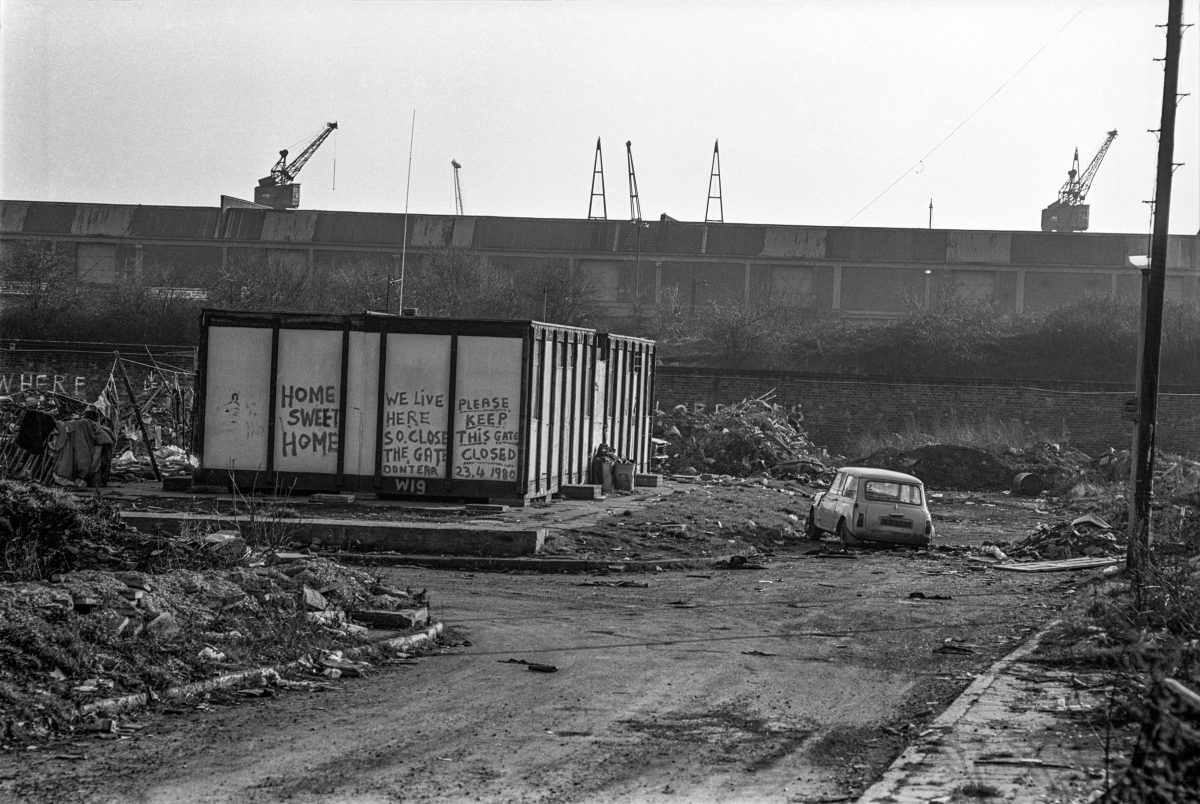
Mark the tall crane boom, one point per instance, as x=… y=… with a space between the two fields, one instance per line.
x=1069 y=213
x=279 y=189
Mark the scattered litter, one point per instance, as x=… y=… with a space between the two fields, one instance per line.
x=637 y=584
x=923 y=596
x=950 y=648
x=1060 y=566
x=1031 y=762
x=757 y=653
x=533 y=666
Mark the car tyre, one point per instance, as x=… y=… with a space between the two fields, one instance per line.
x=844 y=534
x=811 y=531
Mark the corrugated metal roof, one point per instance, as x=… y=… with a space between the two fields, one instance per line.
x=12 y=216
x=791 y=241
x=176 y=222
x=432 y=232
x=734 y=240
x=902 y=245
x=292 y=227
x=367 y=228
x=1061 y=248
x=978 y=247
x=529 y=234
x=243 y=224
x=679 y=238
x=46 y=218
x=104 y=220
x=464 y=232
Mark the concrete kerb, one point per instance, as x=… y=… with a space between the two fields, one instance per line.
x=126 y=703
x=891 y=786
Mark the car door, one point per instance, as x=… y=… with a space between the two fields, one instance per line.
x=845 y=508
x=826 y=510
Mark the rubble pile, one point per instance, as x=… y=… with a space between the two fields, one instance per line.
x=50 y=531
x=91 y=635
x=750 y=437
x=1085 y=536
x=1059 y=467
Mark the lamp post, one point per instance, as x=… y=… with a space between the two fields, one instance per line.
x=637 y=264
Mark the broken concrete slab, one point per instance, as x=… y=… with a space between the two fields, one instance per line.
x=425 y=538
x=384 y=618
x=583 y=492
x=647 y=481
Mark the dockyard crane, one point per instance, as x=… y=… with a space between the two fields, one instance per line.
x=458 y=206
x=279 y=189
x=1069 y=213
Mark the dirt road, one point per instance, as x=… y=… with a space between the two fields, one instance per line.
x=796 y=682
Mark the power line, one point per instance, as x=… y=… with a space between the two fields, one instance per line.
x=967 y=119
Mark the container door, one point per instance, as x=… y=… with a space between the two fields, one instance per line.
x=487 y=406
x=236 y=394
x=416 y=408
x=308 y=401
x=362 y=401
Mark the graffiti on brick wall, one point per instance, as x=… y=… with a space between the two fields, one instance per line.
x=33 y=383
x=696 y=408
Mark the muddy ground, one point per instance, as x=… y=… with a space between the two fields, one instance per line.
x=795 y=678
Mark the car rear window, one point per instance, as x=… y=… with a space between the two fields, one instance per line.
x=887 y=491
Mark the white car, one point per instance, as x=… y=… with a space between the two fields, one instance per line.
x=874 y=505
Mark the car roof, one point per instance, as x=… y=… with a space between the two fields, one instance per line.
x=872 y=473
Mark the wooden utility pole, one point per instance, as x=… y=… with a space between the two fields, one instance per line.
x=1147 y=415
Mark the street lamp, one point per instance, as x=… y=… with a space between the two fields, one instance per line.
x=637 y=265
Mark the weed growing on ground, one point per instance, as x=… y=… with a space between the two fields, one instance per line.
x=268 y=526
x=1148 y=633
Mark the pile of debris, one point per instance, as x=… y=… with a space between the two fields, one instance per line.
x=88 y=636
x=172 y=461
x=753 y=436
x=91 y=609
x=1084 y=536
x=1059 y=467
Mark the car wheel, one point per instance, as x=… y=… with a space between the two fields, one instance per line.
x=811 y=531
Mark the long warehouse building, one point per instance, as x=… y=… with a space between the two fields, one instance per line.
x=867 y=273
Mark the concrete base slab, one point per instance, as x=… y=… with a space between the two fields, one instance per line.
x=485 y=508
x=586 y=492
x=444 y=538
x=333 y=498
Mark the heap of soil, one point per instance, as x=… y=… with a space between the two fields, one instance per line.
x=945 y=466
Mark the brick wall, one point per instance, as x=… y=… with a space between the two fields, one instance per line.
x=839 y=409
x=81 y=370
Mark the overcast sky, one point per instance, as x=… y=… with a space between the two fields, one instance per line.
x=819 y=106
